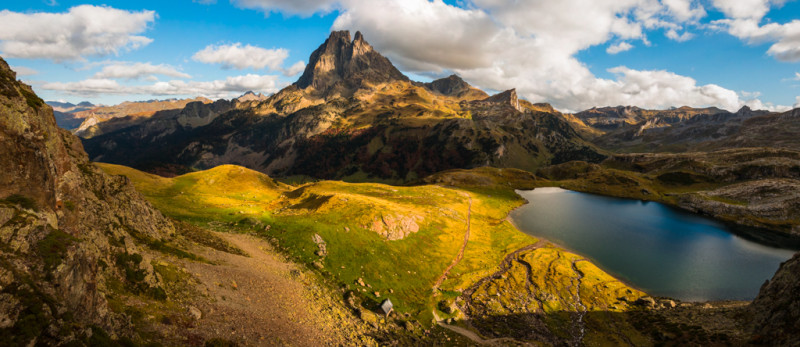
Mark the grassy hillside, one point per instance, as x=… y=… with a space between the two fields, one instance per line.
x=376 y=241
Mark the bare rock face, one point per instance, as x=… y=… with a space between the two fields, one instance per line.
x=770 y=203
x=394 y=227
x=776 y=309
x=453 y=85
x=341 y=66
x=64 y=226
x=508 y=97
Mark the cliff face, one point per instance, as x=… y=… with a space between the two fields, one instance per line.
x=339 y=66
x=776 y=310
x=64 y=226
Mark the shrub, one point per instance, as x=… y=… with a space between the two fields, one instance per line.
x=20 y=200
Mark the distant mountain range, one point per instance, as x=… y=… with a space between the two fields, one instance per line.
x=630 y=129
x=65 y=113
x=352 y=115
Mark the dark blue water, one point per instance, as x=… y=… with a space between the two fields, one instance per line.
x=661 y=250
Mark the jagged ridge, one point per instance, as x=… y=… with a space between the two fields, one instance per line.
x=341 y=65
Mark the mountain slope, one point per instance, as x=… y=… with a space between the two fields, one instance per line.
x=353 y=115
x=611 y=118
x=686 y=129
x=66 y=229
x=66 y=113
x=105 y=119
x=341 y=66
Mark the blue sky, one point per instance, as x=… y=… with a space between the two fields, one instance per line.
x=725 y=53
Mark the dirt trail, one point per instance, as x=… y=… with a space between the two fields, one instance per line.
x=460 y=254
x=264 y=300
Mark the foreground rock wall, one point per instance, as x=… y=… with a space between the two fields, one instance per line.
x=65 y=228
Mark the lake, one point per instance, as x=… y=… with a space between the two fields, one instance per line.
x=656 y=248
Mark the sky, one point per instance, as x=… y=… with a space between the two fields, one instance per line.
x=574 y=54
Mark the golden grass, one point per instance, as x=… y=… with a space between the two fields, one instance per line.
x=343 y=214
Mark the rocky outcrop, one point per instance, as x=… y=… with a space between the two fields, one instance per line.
x=776 y=309
x=340 y=66
x=65 y=228
x=766 y=203
x=395 y=227
x=508 y=97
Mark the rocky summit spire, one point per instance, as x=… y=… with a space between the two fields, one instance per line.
x=506 y=97
x=340 y=65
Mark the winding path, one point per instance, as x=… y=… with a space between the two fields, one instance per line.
x=470 y=334
x=460 y=254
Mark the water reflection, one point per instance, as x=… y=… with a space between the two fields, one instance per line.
x=661 y=250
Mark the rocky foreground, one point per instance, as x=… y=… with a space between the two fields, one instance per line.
x=66 y=229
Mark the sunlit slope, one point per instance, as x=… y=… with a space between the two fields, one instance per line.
x=397 y=240
x=222 y=190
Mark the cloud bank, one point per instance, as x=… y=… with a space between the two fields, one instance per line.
x=131 y=71
x=229 y=87
x=81 y=32
x=236 y=56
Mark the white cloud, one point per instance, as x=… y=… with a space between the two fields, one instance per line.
x=82 y=31
x=744 y=22
x=229 y=87
x=673 y=35
x=786 y=36
x=683 y=10
x=796 y=76
x=242 y=57
x=797 y=102
x=532 y=46
x=295 y=69
x=660 y=89
x=24 y=71
x=292 y=7
x=744 y=9
x=131 y=71
x=756 y=104
x=620 y=47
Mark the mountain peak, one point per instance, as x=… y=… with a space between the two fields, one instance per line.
x=341 y=65
x=507 y=97
x=744 y=110
x=452 y=85
x=251 y=96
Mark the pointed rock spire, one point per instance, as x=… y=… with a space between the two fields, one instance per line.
x=340 y=65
